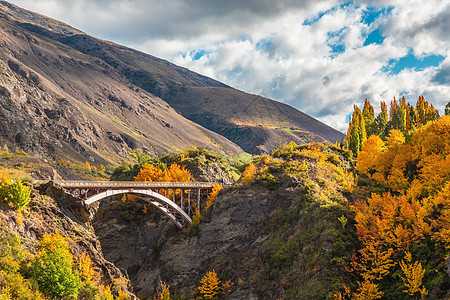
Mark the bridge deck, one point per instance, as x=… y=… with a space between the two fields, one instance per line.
x=84 y=184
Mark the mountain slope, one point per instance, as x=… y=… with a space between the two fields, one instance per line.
x=227 y=111
x=59 y=103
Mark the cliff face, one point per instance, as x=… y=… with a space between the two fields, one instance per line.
x=277 y=237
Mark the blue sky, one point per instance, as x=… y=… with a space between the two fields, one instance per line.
x=320 y=56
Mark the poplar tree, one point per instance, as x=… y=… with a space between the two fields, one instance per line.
x=404 y=123
x=382 y=120
x=420 y=106
x=356 y=134
x=394 y=115
x=369 y=118
x=413 y=116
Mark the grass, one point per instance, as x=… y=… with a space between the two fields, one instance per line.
x=287 y=129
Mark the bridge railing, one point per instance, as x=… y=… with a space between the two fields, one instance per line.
x=134 y=184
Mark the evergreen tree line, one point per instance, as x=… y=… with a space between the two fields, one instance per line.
x=401 y=116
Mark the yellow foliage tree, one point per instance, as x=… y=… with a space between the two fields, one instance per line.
x=105 y=293
x=413 y=275
x=87 y=165
x=210 y=285
x=121 y=295
x=164 y=293
x=149 y=172
x=212 y=196
x=101 y=168
x=370 y=151
x=367 y=291
x=175 y=173
x=249 y=173
x=442 y=223
x=88 y=273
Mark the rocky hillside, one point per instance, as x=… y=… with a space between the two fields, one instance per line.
x=60 y=103
x=97 y=99
x=52 y=211
x=274 y=236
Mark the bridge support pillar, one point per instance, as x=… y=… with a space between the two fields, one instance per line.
x=189 y=203
x=198 y=200
x=182 y=199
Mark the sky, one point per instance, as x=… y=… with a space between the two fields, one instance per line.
x=319 y=56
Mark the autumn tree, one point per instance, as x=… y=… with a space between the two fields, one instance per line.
x=105 y=293
x=368 y=157
x=426 y=112
x=412 y=276
x=174 y=173
x=413 y=116
x=210 y=285
x=88 y=273
x=394 y=115
x=249 y=173
x=149 y=172
x=418 y=171
x=405 y=121
x=164 y=293
x=177 y=173
x=212 y=196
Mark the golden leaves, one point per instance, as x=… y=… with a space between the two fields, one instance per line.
x=413 y=275
x=210 y=285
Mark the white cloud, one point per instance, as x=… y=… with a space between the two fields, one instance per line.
x=263 y=47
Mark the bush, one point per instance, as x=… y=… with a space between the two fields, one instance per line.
x=17 y=194
x=14 y=193
x=270 y=182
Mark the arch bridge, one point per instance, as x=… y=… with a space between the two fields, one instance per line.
x=186 y=196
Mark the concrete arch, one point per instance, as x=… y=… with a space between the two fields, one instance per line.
x=167 y=206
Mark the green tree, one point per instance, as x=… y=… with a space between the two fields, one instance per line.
x=447 y=109
x=356 y=134
x=52 y=268
x=140 y=156
x=382 y=120
x=413 y=116
x=17 y=194
x=420 y=106
x=405 y=121
x=369 y=118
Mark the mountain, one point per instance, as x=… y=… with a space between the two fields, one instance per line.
x=66 y=94
x=57 y=102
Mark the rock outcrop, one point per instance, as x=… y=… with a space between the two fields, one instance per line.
x=52 y=210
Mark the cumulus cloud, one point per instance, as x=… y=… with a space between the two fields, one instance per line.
x=313 y=55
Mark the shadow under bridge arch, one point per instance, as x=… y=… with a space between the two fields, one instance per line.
x=167 y=206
